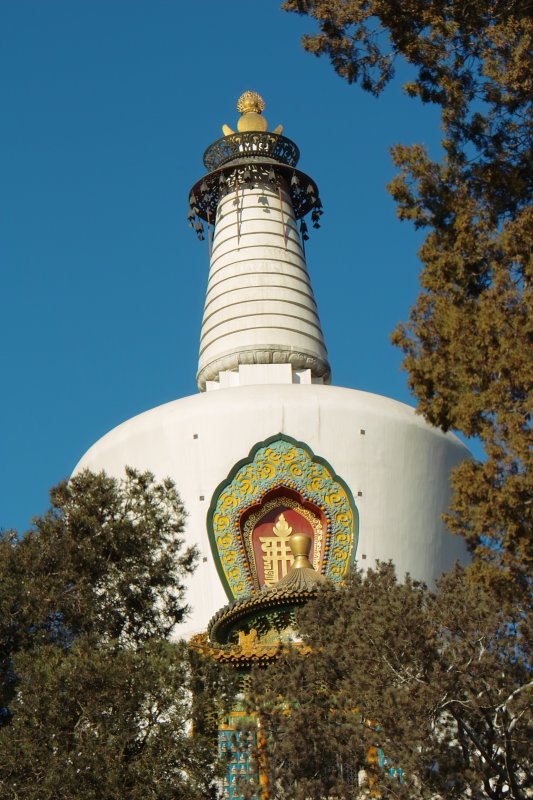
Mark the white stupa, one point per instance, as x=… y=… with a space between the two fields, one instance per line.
x=268 y=445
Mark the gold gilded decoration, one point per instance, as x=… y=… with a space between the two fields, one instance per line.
x=250 y=101
x=249 y=650
x=282 y=527
x=248 y=641
x=277 y=556
x=287 y=502
x=250 y=106
x=300 y=546
x=301 y=578
x=280 y=464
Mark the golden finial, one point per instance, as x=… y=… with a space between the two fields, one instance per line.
x=300 y=545
x=302 y=576
x=250 y=101
x=250 y=105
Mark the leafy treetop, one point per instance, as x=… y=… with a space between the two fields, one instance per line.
x=404 y=694
x=96 y=701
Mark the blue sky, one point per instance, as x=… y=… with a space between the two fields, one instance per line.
x=107 y=108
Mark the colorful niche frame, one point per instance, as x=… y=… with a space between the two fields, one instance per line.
x=276 y=464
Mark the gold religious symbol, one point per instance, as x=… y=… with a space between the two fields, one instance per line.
x=277 y=556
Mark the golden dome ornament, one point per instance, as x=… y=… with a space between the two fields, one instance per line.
x=250 y=106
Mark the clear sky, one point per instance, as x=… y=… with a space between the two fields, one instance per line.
x=107 y=107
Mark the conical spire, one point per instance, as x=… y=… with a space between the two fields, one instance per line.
x=259 y=307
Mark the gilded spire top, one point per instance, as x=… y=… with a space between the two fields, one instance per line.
x=250 y=101
x=250 y=106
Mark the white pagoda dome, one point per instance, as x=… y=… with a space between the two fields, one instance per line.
x=268 y=445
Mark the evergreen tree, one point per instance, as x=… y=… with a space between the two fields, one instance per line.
x=468 y=339
x=403 y=694
x=95 y=698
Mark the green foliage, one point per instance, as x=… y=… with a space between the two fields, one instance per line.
x=96 y=701
x=468 y=340
x=102 y=721
x=439 y=681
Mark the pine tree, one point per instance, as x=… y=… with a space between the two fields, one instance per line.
x=95 y=699
x=467 y=343
x=403 y=694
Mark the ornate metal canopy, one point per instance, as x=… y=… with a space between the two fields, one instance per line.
x=253 y=145
x=252 y=158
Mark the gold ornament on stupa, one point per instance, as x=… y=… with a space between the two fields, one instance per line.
x=282 y=527
x=302 y=576
x=250 y=101
x=250 y=106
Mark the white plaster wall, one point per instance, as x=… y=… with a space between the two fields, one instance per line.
x=400 y=465
x=259 y=305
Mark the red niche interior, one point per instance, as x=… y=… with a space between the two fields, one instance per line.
x=266 y=533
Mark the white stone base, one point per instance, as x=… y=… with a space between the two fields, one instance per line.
x=262 y=374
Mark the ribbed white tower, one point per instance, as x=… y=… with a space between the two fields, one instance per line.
x=259 y=306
